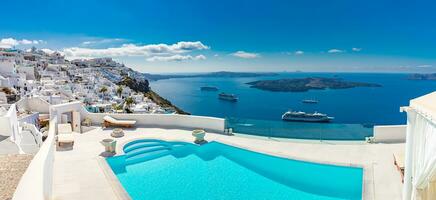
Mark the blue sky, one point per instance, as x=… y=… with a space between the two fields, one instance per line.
x=198 y=35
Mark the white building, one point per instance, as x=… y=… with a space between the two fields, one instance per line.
x=4 y=82
x=7 y=66
x=126 y=92
x=28 y=70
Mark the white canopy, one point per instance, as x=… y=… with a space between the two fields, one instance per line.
x=420 y=176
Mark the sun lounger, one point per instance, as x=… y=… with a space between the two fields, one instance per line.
x=110 y=121
x=399 y=163
x=65 y=134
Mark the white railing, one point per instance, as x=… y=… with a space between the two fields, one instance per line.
x=37 y=182
x=390 y=134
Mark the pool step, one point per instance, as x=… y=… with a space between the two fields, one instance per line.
x=146 y=150
x=141 y=145
x=147 y=156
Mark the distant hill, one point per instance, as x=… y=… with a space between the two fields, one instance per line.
x=305 y=84
x=225 y=74
x=422 y=76
x=135 y=84
x=143 y=86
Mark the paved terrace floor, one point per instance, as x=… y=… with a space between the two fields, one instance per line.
x=12 y=167
x=79 y=173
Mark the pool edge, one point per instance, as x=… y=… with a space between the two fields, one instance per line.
x=115 y=184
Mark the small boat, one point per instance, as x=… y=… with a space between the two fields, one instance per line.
x=306 y=117
x=209 y=88
x=310 y=101
x=228 y=97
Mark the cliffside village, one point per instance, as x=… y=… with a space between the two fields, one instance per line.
x=35 y=73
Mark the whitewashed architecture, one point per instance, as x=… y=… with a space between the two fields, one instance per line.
x=420 y=162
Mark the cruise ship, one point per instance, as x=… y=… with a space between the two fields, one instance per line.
x=310 y=101
x=306 y=117
x=228 y=97
x=209 y=88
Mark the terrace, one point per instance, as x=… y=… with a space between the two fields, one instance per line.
x=93 y=179
x=81 y=172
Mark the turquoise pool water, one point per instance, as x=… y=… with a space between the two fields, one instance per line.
x=154 y=169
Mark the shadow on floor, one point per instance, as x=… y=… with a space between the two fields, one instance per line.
x=64 y=147
x=107 y=154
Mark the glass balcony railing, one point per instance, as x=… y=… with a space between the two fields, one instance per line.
x=299 y=130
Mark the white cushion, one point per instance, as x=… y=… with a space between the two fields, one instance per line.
x=116 y=121
x=64 y=129
x=65 y=138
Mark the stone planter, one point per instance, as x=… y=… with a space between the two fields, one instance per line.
x=117 y=132
x=109 y=145
x=199 y=135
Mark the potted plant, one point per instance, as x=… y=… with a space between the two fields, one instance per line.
x=87 y=122
x=199 y=135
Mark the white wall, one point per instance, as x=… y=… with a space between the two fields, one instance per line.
x=165 y=120
x=5 y=128
x=28 y=70
x=150 y=120
x=9 y=125
x=390 y=134
x=4 y=82
x=34 y=104
x=38 y=105
x=37 y=182
x=7 y=67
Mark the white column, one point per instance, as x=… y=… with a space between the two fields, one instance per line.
x=407 y=187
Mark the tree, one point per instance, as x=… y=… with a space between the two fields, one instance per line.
x=103 y=89
x=117 y=107
x=129 y=101
x=119 y=90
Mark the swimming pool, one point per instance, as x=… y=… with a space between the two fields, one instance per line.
x=155 y=169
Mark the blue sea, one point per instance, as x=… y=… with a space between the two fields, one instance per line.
x=360 y=105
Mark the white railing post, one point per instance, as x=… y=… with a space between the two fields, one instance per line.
x=407 y=187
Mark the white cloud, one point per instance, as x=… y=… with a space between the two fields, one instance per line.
x=162 y=50
x=356 y=49
x=87 y=42
x=200 y=57
x=335 y=51
x=11 y=42
x=424 y=66
x=102 y=41
x=299 y=52
x=176 y=57
x=243 y=54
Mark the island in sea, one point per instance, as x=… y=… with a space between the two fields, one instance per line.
x=422 y=77
x=306 y=84
x=222 y=74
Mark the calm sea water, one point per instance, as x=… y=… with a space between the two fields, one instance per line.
x=364 y=105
